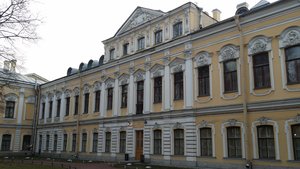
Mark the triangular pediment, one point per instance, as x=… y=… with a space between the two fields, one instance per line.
x=139 y=16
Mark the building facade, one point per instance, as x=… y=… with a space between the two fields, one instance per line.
x=182 y=88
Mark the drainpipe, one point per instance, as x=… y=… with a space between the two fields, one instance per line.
x=243 y=86
x=37 y=90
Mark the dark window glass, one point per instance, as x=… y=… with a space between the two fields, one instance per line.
x=124 y=96
x=47 y=142
x=157 y=90
x=177 y=29
x=178 y=142
x=158 y=36
x=140 y=97
x=58 y=108
x=67 y=106
x=55 y=143
x=5 y=145
x=83 y=142
x=97 y=101
x=9 y=109
x=95 y=142
x=178 y=86
x=26 y=142
x=230 y=76
x=141 y=43
x=74 y=137
x=109 y=98
x=40 y=143
x=261 y=70
x=111 y=54
x=203 y=81
x=234 y=142
x=65 y=142
x=157 y=143
x=292 y=61
x=206 y=141
x=266 y=146
x=86 y=103
x=296 y=140
x=107 y=141
x=43 y=110
x=125 y=49
x=122 y=141
x=50 y=109
x=76 y=105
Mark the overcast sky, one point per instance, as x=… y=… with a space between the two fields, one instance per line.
x=72 y=30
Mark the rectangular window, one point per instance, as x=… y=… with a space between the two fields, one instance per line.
x=83 y=142
x=107 y=141
x=97 y=101
x=206 y=142
x=110 y=98
x=125 y=49
x=178 y=86
x=86 y=103
x=203 y=81
x=234 y=142
x=50 y=109
x=5 y=145
x=122 y=141
x=140 y=97
x=266 y=146
x=47 y=142
x=178 y=142
x=76 y=105
x=58 y=108
x=157 y=146
x=158 y=89
x=158 y=36
x=26 y=142
x=296 y=141
x=40 y=143
x=141 y=43
x=55 y=143
x=9 y=109
x=230 y=76
x=43 y=110
x=261 y=70
x=95 y=142
x=177 y=29
x=74 y=137
x=67 y=106
x=65 y=142
x=111 y=54
x=124 y=96
x=292 y=61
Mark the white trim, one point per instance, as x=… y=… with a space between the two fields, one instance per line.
x=204 y=124
x=287 y=128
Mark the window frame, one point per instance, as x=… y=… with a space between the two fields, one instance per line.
x=43 y=110
x=296 y=157
x=157 y=89
x=206 y=79
x=178 y=83
x=58 y=104
x=236 y=140
x=261 y=140
x=111 y=54
x=207 y=141
x=76 y=105
x=6 y=142
x=65 y=142
x=122 y=142
x=55 y=139
x=95 y=142
x=233 y=85
x=9 y=109
x=158 y=36
x=50 y=109
x=74 y=142
x=68 y=99
x=97 y=101
x=141 y=43
x=107 y=142
x=266 y=80
x=110 y=93
x=86 y=103
x=177 y=29
x=140 y=97
x=125 y=49
x=83 y=142
x=157 y=142
x=297 y=65
x=179 y=142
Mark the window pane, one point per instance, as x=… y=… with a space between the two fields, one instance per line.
x=234 y=142
x=9 y=109
x=266 y=142
x=178 y=142
x=261 y=70
x=157 y=90
x=293 y=64
x=230 y=76
x=5 y=145
x=157 y=142
x=206 y=142
x=203 y=81
x=296 y=140
x=178 y=86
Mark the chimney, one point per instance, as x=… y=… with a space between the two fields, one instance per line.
x=6 y=65
x=216 y=14
x=242 y=8
x=13 y=64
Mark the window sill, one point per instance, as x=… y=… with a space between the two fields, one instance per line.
x=267 y=160
x=203 y=95
x=206 y=157
x=6 y=118
x=123 y=107
x=259 y=88
x=294 y=161
x=157 y=102
x=229 y=92
x=233 y=158
x=293 y=83
x=178 y=99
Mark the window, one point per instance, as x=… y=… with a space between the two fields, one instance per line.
x=230 y=76
x=109 y=98
x=67 y=106
x=124 y=96
x=55 y=143
x=266 y=146
x=111 y=54
x=296 y=140
x=107 y=141
x=141 y=43
x=40 y=143
x=26 y=142
x=157 y=143
x=234 y=142
x=50 y=109
x=97 y=101
x=58 y=108
x=178 y=142
x=5 y=145
x=206 y=141
x=95 y=142
x=74 y=137
x=47 y=142
x=177 y=29
x=158 y=36
x=178 y=86
x=122 y=141
x=292 y=61
x=158 y=89
x=76 y=105
x=140 y=97
x=86 y=103
x=125 y=49
x=9 y=109
x=65 y=142
x=203 y=81
x=261 y=70
x=43 y=110
x=83 y=142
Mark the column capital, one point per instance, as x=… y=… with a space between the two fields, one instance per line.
x=147 y=65
x=188 y=54
x=166 y=60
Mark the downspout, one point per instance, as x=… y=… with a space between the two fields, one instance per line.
x=243 y=86
x=37 y=90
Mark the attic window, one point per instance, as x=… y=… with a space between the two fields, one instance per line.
x=141 y=43
x=111 y=54
x=177 y=29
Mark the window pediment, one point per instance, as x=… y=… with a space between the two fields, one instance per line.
x=289 y=37
x=76 y=91
x=67 y=93
x=109 y=82
x=124 y=79
x=229 y=52
x=157 y=70
x=259 y=44
x=139 y=75
x=202 y=59
x=11 y=97
x=86 y=88
x=97 y=86
x=177 y=65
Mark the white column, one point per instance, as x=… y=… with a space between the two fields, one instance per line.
x=188 y=83
x=167 y=88
x=54 y=107
x=116 y=98
x=62 y=107
x=147 y=92
x=102 y=102
x=46 y=109
x=130 y=96
x=21 y=105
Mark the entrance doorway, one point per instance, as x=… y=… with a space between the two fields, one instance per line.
x=139 y=135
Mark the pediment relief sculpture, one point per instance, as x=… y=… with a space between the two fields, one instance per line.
x=290 y=37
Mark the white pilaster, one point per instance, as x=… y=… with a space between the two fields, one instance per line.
x=167 y=88
x=147 y=92
x=130 y=96
x=188 y=83
x=54 y=107
x=21 y=105
x=46 y=109
x=116 y=98
x=62 y=107
x=102 y=102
